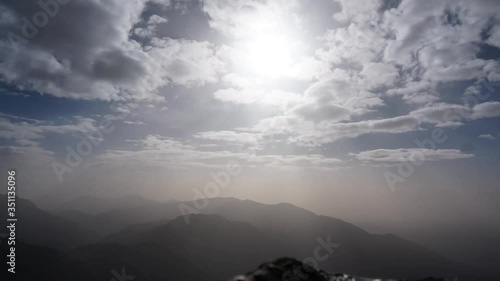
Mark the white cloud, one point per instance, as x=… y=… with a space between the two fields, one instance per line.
x=305 y=133
x=318 y=112
x=149 y=29
x=86 y=53
x=487 y=136
x=440 y=38
x=83 y=52
x=354 y=43
x=256 y=96
x=339 y=86
x=230 y=136
x=379 y=75
x=156 y=19
x=310 y=68
x=442 y=113
x=416 y=92
x=128 y=122
x=186 y=62
x=410 y=154
x=242 y=19
x=27 y=132
x=335 y=100
x=486 y=110
x=358 y=11
x=169 y=153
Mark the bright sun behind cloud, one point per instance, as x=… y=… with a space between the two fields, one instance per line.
x=267 y=56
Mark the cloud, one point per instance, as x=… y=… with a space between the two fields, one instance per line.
x=169 y=153
x=357 y=42
x=86 y=52
x=372 y=67
x=230 y=137
x=486 y=110
x=134 y=122
x=442 y=114
x=242 y=18
x=29 y=131
x=149 y=28
x=416 y=92
x=358 y=11
x=155 y=19
x=320 y=112
x=487 y=136
x=313 y=161
x=310 y=68
x=440 y=38
x=335 y=99
x=83 y=51
x=256 y=96
x=410 y=154
x=305 y=133
x=379 y=75
x=186 y=62
x=428 y=43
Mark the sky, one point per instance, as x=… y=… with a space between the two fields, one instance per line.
x=363 y=110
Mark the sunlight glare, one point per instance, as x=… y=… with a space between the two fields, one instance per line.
x=268 y=56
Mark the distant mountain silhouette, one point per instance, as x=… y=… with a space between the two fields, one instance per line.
x=296 y=232
x=225 y=239
x=38 y=227
x=112 y=220
x=219 y=247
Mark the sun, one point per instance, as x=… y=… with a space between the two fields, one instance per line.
x=268 y=56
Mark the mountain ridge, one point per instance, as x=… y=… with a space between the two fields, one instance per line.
x=275 y=230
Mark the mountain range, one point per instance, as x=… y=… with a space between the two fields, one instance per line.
x=154 y=241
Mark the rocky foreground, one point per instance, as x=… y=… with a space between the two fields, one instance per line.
x=289 y=269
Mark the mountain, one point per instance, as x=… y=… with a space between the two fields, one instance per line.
x=291 y=269
x=113 y=220
x=480 y=248
x=104 y=216
x=228 y=236
x=219 y=248
x=145 y=261
x=39 y=227
x=45 y=264
x=296 y=232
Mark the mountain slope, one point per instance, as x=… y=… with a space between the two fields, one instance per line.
x=249 y=234
x=46 y=264
x=298 y=232
x=219 y=248
x=38 y=227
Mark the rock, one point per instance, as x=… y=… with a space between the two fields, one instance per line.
x=290 y=269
